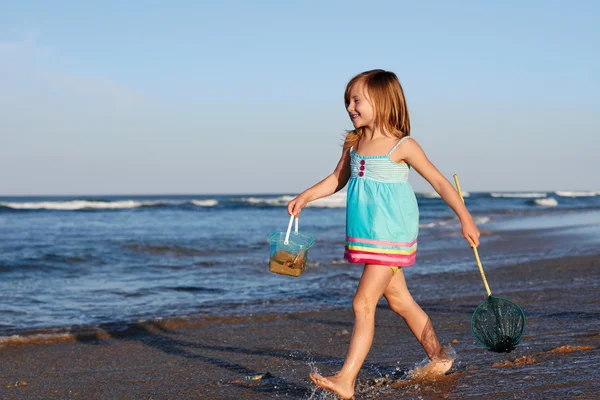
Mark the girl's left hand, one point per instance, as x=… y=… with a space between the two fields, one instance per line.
x=470 y=232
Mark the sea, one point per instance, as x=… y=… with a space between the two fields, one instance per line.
x=77 y=261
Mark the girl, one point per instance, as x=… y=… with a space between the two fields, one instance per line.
x=382 y=217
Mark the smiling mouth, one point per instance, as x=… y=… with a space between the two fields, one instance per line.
x=353 y=116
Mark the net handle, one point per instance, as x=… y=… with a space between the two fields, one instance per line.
x=487 y=288
x=289 y=229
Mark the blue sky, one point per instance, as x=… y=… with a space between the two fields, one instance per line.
x=247 y=97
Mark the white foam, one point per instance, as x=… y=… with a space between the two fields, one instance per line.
x=436 y=195
x=576 y=194
x=279 y=201
x=38 y=338
x=79 y=205
x=342 y=261
x=440 y=222
x=337 y=200
x=205 y=203
x=549 y=202
x=481 y=220
x=521 y=195
x=429 y=195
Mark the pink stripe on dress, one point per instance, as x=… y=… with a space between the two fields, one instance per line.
x=382 y=242
x=382 y=259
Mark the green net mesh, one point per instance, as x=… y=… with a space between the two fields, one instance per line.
x=498 y=324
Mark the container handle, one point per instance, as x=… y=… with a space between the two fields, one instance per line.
x=289 y=229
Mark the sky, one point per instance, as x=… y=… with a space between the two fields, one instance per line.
x=197 y=97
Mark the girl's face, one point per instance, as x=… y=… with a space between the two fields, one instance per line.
x=360 y=109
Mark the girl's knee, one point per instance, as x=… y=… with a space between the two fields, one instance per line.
x=363 y=305
x=401 y=305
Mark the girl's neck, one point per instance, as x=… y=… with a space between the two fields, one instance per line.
x=371 y=133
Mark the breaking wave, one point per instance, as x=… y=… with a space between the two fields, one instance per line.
x=42 y=338
x=549 y=202
x=521 y=195
x=576 y=194
x=75 y=205
x=205 y=203
x=82 y=205
x=435 y=195
x=479 y=220
x=337 y=200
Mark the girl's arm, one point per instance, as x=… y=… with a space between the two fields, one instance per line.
x=413 y=154
x=328 y=186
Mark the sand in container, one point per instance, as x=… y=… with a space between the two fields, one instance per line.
x=287 y=263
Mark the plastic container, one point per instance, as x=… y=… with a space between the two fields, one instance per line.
x=289 y=251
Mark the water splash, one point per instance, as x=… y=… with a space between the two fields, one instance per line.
x=418 y=379
x=431 y=370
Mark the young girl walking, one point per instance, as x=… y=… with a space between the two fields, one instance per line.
x=382 y=217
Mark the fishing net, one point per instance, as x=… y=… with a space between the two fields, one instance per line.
x=498 y=324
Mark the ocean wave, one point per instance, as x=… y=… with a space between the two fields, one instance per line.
x=279 y=201
x=93 y=331
x=440 y=222
x=205 y=203
x=339 y=262
x=428 y=195
x=479 y=220
x=337 y=200
x=72 y=205
x=166 y=250
x=549 y=202
x=520 y=195
x=435 y=195
x=192 y=289
x=576 y=194
x=42 y=338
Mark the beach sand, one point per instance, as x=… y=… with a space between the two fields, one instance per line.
x=267 y=357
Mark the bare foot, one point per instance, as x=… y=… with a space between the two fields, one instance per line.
x=433 y=369
x=334 y=384
x=440 y=367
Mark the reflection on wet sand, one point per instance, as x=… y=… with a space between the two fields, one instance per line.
x=266 y=357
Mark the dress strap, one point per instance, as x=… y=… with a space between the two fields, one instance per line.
x=397 y=144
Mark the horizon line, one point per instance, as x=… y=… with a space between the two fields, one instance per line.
x=272 y=193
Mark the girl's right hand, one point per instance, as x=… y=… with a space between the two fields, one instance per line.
x=296 y=205
x=470 y=232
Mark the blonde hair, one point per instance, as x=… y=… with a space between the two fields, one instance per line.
x=387 y=98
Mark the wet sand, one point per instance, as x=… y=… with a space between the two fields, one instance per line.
x=266 y=357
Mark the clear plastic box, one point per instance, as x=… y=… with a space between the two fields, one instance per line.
x=289 y=251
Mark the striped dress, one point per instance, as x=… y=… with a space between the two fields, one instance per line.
x=382 y=215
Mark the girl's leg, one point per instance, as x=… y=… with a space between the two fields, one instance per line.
x=402 y=303
x=373 y=283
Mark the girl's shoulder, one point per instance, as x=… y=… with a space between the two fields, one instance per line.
x=405 y=146
x=405 y=143
x=406 y=139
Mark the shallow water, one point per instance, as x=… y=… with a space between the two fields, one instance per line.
x=69 y=261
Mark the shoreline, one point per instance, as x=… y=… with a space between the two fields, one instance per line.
x=261 y=357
